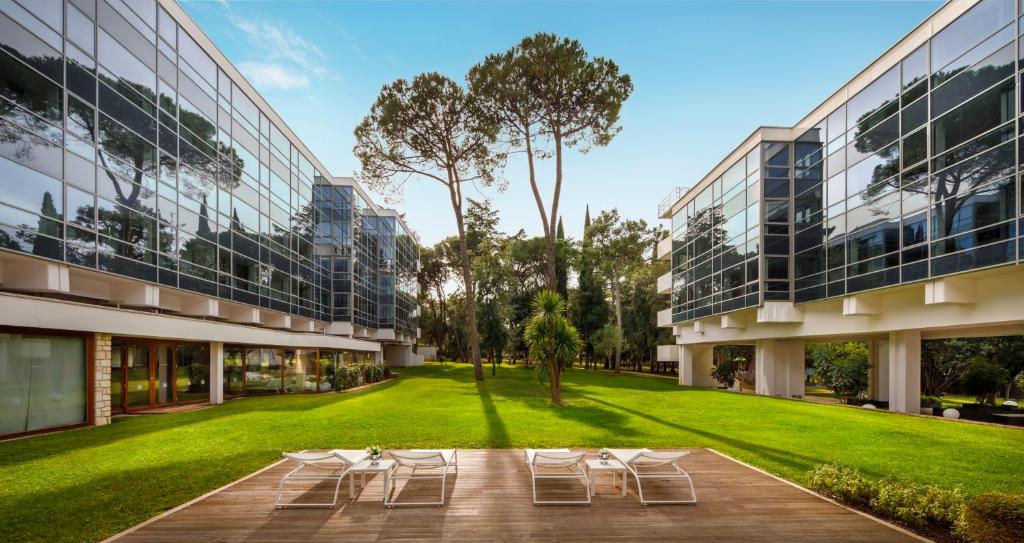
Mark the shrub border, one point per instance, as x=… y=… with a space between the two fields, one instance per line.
x=881 y=521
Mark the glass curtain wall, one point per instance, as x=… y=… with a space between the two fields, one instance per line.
x=192 y=368
x=716 y=243
x=42 y=382
x=127 y=149
x=921 y=166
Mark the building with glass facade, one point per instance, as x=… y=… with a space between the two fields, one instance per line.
x=164 y=236
x=889 y=213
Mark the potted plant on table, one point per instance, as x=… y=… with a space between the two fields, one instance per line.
x=603 y=455
x=375 y=453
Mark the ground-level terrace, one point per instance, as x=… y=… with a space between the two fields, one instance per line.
x=891 y=321
x=65 y=363
x=490 y=500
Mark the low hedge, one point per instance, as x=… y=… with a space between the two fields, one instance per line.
x=927 y=508
x=993 y=518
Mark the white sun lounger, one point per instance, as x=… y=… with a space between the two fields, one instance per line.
x=318 y=466
x=646 y=464
x=557 y=464
x=420 y=464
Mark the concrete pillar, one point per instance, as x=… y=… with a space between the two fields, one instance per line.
x=378 y=356
x=878 y=376
x=905 y=371
x=101 y=379
x=216 y=372
x=695 y=364
x=779 y=367
x=397 y=355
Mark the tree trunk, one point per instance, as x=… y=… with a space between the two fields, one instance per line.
x=467 y=278
x=494 y=368
x=618 y=322
x=552 y=274
x=556 y=384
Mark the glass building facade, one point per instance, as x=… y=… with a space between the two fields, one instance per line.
x=126 y=148
x=913 y=177
x=372 y=258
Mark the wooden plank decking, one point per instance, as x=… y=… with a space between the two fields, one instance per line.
x=490 y=500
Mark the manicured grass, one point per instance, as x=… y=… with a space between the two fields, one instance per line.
x=87 y=484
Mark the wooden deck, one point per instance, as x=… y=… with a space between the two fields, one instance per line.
x=490 y=500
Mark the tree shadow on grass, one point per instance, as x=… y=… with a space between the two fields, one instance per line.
x=136 y=426
x=790 y=459
x=497 y=433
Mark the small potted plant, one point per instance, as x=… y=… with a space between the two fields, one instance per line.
x=375 y=453
x=604 y=455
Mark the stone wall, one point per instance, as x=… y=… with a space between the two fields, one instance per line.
x=101 y=379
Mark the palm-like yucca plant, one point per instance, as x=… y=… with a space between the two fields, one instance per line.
x=553 y=340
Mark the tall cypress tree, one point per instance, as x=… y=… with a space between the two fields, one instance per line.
x=589 y=310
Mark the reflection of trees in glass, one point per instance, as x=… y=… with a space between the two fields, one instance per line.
x=950 y=189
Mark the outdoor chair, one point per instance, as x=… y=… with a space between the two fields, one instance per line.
x=418 y=465
x=318 y=466
x=645 y=464
x=557 y=464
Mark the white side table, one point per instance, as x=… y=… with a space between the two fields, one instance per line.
x=362 y=468
x=614 y=466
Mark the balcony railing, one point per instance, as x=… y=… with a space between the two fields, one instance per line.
x=665 y=207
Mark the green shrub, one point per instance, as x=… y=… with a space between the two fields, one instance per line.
x=725 y=371
x=917 y=505
x=843 y=484
x=993 y=518
x=346 y=377
x=841 y=367
x=931 y=401
x=984 y=379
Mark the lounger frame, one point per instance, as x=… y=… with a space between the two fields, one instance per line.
x=571 y=462
x=665 y=467
x=422 y=464
x=325 y=466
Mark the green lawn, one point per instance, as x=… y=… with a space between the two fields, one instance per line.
x=87 y=484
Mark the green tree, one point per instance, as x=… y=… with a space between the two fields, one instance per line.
x=620 y=247
x=551 y=87
x=433 y=278
x=588 y=304
x=553 y=340
x=984 y=379
x=641 y=303
x=494 y=336
x=429 y=129
x=605 y=340
x=841 y=367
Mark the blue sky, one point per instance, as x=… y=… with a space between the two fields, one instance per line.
x=706 y=74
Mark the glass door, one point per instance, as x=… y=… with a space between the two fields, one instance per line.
x=192 y=373
x=137 y=375
x=163 y=375
x=116 y=377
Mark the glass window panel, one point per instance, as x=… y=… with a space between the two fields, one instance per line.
x=196 y=57
x=875 y=102
x=44 y=382
x=126 y=66
x=979 y=22
x=81 y=29
x=973 y=80
x=915 y=67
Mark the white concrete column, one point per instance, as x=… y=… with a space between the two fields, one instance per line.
x=695 y=363
x=905 y=371
x=101 y=357
x=216 y=372
x=779 y=367
x=378 y=356
x=878 y=357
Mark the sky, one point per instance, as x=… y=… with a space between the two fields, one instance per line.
x=706 y=74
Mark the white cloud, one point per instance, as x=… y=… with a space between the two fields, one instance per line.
x=281 y=59
x=268 y=75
